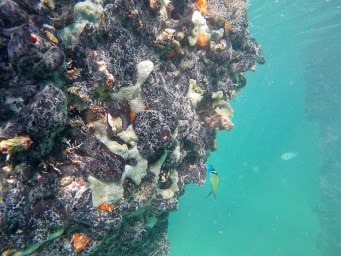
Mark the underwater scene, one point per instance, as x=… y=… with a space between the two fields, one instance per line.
x=279 y=169
x=170 y=127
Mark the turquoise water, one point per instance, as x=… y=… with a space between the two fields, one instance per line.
x=266 y=205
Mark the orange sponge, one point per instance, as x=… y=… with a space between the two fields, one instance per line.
x=80 y=241
x=201 y=6
x=202 y=39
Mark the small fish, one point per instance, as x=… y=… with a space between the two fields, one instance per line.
x=214 y=180
x=288 y=156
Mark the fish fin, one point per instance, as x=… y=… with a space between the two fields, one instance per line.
x=214 y=194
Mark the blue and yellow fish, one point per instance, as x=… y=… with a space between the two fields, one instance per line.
x=214 y=180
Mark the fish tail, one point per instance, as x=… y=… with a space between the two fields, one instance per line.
x=214 y=194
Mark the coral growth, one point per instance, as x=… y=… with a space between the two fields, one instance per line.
x=107 y=110
x=154 y=136
x=45 y=117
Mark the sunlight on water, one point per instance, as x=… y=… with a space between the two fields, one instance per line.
x=268 y=204
x=286 y=20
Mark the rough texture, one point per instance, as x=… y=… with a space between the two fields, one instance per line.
x=107 y=110
x=45 y=117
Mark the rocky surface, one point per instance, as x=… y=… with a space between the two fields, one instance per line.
x=107 y=110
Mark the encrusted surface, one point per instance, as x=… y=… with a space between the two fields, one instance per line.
x=107 y=111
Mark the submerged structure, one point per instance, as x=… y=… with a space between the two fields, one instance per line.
x=107 y=110
x=322 y=109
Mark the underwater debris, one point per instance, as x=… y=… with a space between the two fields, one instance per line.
x=107 y=110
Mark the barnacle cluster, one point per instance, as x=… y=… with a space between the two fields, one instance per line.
x=107 y=110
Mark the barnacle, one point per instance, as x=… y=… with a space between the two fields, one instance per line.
x=51 y=37
x=165 y=37
x=110 y=80
x=115 y=122
x=154 y=4
x=74 y=73
x=172 y=187
x=35 y=39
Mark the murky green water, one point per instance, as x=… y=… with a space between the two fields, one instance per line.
x=266 y=205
